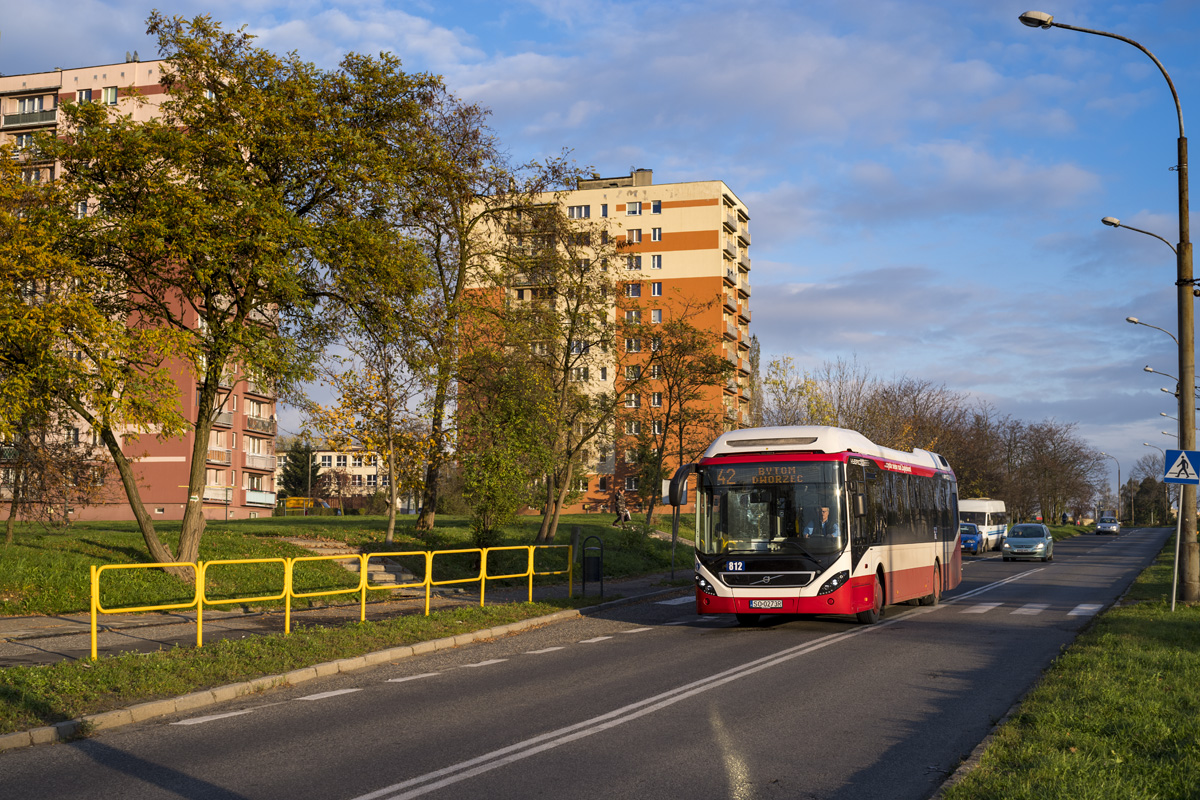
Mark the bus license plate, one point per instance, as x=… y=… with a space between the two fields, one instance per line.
x=766 y=604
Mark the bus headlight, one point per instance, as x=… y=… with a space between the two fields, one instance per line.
x=705 y=586
x=834 y=583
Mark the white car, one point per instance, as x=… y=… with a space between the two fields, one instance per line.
x=1108 y=525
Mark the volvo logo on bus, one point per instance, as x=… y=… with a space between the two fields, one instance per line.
x=765 y=579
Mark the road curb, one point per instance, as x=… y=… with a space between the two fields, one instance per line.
x=77 y=728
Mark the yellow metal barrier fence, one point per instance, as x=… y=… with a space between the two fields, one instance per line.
x=200 y=598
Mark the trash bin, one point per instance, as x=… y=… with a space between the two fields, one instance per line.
x=593 y=563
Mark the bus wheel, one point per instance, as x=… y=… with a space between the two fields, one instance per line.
x=933 y=598
x=747 y=619
x=872 y=616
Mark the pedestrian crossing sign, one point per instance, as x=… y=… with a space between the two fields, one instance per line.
x=1183 y=466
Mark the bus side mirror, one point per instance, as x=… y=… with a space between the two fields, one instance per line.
x=860 y=505
x=677 y=493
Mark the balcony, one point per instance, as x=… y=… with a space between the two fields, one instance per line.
x=256 y=497
x=8 y=454
x=729 y=248
x=730 y=220
x=217 y=456
x=257 y=461
x=731 y=276
x=744 y=237
x=743 y=365
x=731 y=331
x=261 y=389
x=30 y=119
x=218 y=494
x=744 y=262
x=744 y=290
x=260 y=424
x=730 y=303
x=730 y=413
x=224 y=418
x=744 y=344
x=744 y=314
x=731 y=354
x=731 y=386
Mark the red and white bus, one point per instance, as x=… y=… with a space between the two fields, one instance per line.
x=819 y=520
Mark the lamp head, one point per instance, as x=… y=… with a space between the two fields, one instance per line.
x=1132 y=320
x=1147 y=368
x=1111 y=222
x=1037 y=19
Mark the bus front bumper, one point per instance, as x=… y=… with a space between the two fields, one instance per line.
x=856 y=595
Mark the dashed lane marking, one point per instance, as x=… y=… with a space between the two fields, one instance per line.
x=636 y=630
x=597 y=639
x=487 y=663
x=1030 y=609
x=412 y=677
x=323 y=695
x=981 y=608
x=543 y=650
x=212 y=717
x=677 y=601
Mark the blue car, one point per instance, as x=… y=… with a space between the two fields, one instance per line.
x=972 y=539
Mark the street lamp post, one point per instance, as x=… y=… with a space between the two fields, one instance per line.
x=1189 y=567
x=1136 y=321
x=1114 y=458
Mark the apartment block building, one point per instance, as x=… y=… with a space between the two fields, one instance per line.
x=241 y=450
x=682 y=244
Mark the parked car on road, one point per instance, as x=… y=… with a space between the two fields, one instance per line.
x=1028 y=540
x=972 y=539
x=1108 y=525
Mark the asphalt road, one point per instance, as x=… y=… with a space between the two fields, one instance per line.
x=641 y=701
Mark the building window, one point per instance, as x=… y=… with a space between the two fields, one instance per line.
x=633 y=372
x=356 y=481
x=604 y=209
x=656 y=316
x=23 y=140
x=633 y=345
x=327 y=461
x=110 y=95
x=633 y=317
x=633 y=262
x=81 y=209
x=579 y=373
x=633 y=209
x=658 y=427
x=655 y=262
x=83 y=96
x=29 y=105
x=656 y=206
x=633 y=290
x=579 y=212
x=633 y=236
x=578 y=346
x=656 y=289
x=656 y=399
x=656 y=371
x=633 y=400
x=372 y=481
x=656 y=234
x=656 y=344
x=384 y=480
x=633 y=427
x=631 y=483
x=604 y=373
x=356 y=461
x=341 y=462
x=580 y=485
x=603 y=483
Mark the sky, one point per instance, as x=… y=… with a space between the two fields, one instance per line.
x=925 y=179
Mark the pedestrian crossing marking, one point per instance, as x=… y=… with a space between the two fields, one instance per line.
x=982 y=608
x=1031 y=608
x=1084 y=610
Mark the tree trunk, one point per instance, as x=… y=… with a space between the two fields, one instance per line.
x=557 y=509
x=13 y=505
x=393 y=489
x=548 y=511
x=433 y=472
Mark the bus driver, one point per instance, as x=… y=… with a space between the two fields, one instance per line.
x=825 y=527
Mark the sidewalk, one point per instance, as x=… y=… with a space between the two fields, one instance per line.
x=31 y=640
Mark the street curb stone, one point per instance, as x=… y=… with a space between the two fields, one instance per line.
x=69 y=729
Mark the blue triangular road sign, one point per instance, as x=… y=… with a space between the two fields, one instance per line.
x=1182 y=467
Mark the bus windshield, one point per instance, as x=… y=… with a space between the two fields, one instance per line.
x=783 y=508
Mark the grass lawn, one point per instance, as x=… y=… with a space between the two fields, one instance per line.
x=1116 y=716
x=47 y=571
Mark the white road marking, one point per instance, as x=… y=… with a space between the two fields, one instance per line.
x=487 y=663
x=412 y=677
x=448 y=776
x=211 y=717
x=636 y=630
x=1084 y=610
x=988 y=588
x=677 y=601
x=681 y=622
x=543 y=650
x=1030 y=609
x=323 y=695
x=597 y=639
x=982 y=608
